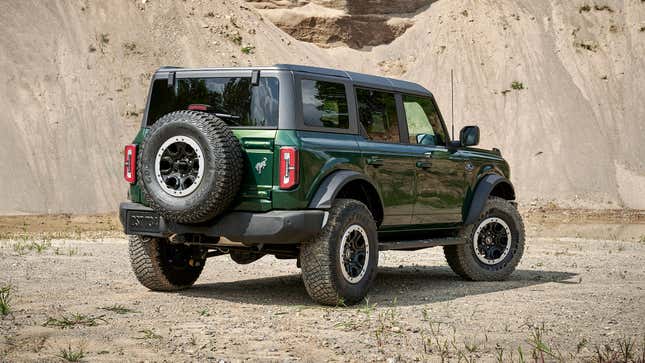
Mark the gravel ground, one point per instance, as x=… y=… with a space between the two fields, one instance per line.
x=569 y=295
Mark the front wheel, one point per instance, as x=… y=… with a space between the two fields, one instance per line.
x=339 y=265
x=494 y=244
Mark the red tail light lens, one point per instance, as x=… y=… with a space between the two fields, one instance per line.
x=289 y=167
x=130 y=163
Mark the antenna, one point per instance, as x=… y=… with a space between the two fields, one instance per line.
x=452 y=103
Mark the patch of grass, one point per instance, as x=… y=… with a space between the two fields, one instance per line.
x=368 y=309
x=70 y=354
x=148 y=334
x=603 y=8
x=203 y=312
x=622 y=350
x=249 y=49
x=20 y=248
x=516 y=85
x=118 y=308
x=540 y=347
x=587 y=45
x=5 y=300
x=74 y=320
x=129 y=46
x=41 y=246
x=237 y=39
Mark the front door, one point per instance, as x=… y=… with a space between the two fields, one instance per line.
x=440 y=176
x=387 y=161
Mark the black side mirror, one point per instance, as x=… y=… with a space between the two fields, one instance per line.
x=469 y=136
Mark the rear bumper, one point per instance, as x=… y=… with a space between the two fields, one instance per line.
x=274 y=227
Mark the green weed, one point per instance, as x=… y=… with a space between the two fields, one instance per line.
x=517 y=85
x=71 y=354
x=148 y=334
x=119 y=309
x=5 y=300
x=249 y=49
x=74 y=320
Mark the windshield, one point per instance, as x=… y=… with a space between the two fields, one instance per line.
x=233 y=99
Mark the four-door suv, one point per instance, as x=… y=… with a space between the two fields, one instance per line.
x=319 y=165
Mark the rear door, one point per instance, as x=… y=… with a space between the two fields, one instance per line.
x=440 y=178
x=250 y=110
x=387 y=160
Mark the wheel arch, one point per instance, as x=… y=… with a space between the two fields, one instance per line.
x=489 y=185
x=351 y=185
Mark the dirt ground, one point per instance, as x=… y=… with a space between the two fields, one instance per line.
x=570 y=295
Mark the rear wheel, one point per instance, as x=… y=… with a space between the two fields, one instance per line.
x=339 y=265
x=162 y=266
x=495 y=244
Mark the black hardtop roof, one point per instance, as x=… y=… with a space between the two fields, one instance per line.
x=359 y=79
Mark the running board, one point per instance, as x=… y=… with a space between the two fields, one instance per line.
x=419 y=244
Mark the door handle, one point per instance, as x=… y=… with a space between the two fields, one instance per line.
x=427 y=162
x=376 y=161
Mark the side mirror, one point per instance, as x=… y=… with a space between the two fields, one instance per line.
x=469 y=136
x=425 y=139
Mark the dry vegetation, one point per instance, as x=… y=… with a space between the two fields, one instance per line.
x=87 y=306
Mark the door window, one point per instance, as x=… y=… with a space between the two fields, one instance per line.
x=377 y=113
x=324 y=104
x=424 y=124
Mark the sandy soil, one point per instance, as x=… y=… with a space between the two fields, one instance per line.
x=573 y=132
x=572 y=294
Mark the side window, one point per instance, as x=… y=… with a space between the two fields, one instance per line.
x=424 y=124
x=377 y=113
x=324 y=104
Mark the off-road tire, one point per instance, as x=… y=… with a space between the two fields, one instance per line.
x=223 y=166
x=320 y=259
x=462 y=258
x=150 y=258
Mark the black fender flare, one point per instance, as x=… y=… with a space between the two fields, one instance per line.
x=481 y=194
x=332 y=184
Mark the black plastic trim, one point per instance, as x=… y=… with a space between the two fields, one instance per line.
x=331 y=185
x=482 y=192
x=274 y=227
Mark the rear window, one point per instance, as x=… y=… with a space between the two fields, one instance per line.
x=324 y=104
x=233 y=99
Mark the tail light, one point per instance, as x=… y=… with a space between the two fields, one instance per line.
x=289 y=167
x=130 y=163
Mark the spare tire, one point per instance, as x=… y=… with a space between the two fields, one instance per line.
x=190 y=166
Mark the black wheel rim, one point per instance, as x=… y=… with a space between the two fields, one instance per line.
x=492 y=241
x=354 y=253
x=179 y=166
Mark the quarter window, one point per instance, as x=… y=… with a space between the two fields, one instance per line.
x=377 y=113
x=424 y=124
x=324 y=104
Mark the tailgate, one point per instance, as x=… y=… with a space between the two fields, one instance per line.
x=255 y=191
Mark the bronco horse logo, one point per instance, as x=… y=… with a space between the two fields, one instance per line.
x=261 y=165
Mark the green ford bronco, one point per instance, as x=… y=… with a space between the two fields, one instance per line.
x=323 y=166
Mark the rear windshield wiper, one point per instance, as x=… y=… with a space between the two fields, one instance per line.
x=231 y=118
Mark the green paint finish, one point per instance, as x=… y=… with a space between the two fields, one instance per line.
x=320 y=154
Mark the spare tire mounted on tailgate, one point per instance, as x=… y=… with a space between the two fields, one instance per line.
x=190 y=166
